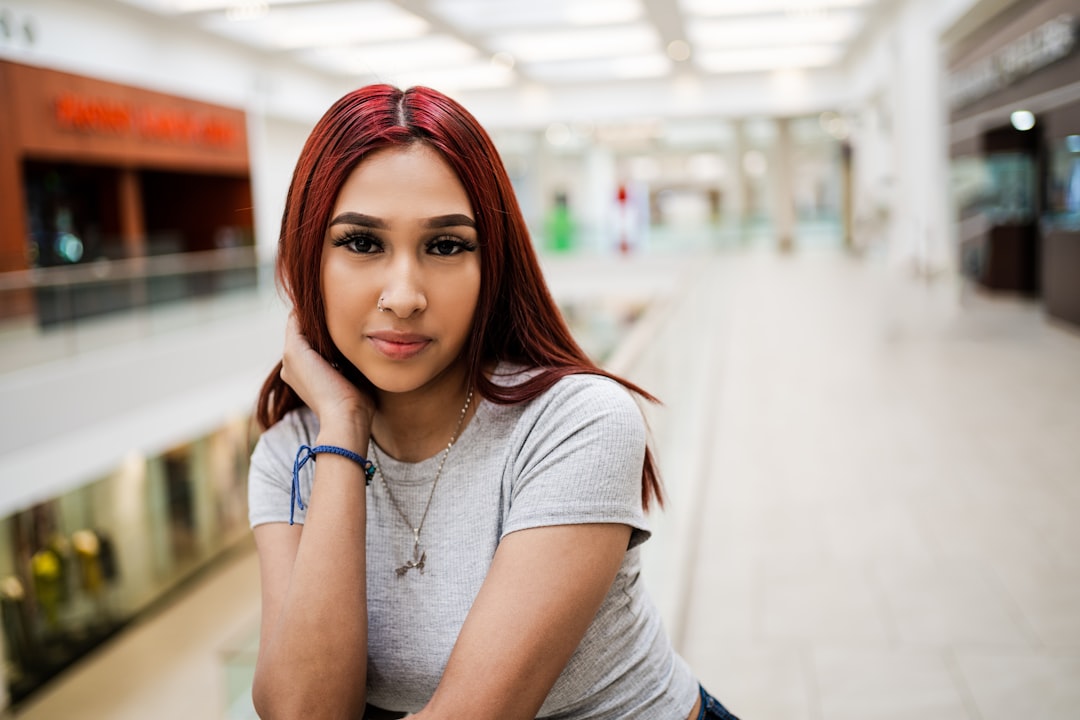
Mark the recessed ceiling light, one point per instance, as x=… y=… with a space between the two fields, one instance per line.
x=1022 y=120
x=678 y=50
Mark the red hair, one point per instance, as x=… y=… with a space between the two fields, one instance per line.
x=516 y=318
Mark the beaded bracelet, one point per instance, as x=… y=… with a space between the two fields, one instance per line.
x=306 y=453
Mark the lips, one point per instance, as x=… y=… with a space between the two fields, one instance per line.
x=399 y=345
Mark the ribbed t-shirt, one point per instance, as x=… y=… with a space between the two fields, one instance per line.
x=572 y=455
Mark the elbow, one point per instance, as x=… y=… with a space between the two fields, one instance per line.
x=274 y=699
x=263 y=702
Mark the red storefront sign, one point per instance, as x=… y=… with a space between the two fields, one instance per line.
x=104 y=116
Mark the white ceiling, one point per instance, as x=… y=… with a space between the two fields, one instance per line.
x=481 y=44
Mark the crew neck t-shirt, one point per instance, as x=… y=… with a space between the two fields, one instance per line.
x=572 y=455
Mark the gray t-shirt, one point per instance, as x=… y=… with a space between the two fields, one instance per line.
x=572 y=455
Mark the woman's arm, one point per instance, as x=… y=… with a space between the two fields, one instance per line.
x=541 y=594
x=312 y=659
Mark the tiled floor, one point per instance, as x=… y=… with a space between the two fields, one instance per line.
x=893 y=517
x=890 y=524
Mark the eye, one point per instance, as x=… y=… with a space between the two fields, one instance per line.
x=359 y=243
x=449 y=245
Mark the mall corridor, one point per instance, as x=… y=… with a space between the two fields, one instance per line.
x=885 y=526
x=838 y=239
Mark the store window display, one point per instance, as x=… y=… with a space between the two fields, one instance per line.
x=75 y=569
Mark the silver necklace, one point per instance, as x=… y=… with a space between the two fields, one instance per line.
x=419 y=557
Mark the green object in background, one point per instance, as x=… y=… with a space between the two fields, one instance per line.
x=560 y=226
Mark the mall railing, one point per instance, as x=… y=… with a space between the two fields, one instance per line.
x=672 y=352
x=54 y=312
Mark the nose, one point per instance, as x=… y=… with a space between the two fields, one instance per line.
x=403 y=291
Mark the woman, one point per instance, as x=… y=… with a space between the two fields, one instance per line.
x=465 y=545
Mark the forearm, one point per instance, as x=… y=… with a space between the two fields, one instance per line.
x=313 y=660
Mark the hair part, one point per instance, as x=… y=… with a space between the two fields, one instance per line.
x=516 y=318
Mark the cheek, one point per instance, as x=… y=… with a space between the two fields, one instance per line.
x=470 y=298
x=340 y=286
x=344 y=302
x=458 y=298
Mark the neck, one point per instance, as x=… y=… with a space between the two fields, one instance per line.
x=416 y=425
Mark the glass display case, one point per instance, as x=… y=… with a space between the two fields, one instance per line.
x=1010 y=194
x=1063 y=184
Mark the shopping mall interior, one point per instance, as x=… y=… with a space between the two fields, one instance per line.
x=838 y=239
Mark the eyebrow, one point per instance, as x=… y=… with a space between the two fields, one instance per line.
x=455 y=220
x=439 y=221
x=351 y=218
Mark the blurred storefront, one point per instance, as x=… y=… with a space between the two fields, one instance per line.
x=1014 y=103
x=78 y=567
x=100 y=181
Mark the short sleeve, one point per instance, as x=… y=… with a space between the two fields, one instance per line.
x=270 y=473
x=580 y=459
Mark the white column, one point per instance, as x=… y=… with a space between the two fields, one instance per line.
x=921 y=235
x=736 y=197
x=264 y=197
x=782 y=170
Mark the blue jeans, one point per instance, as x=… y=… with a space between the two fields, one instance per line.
x=711 y=709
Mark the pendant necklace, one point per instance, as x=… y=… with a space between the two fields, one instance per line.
x=420 y=557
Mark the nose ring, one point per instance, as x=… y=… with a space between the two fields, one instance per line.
x=379 y=307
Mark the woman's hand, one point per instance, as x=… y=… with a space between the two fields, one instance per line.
x=312 y=660
x=322 y=388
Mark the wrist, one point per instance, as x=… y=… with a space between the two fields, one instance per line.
x=350 y=430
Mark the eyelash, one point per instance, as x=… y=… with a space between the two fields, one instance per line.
x=350 y=239
x=458 y=245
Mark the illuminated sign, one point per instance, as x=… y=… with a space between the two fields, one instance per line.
x=101 y=116
x=1050 y=42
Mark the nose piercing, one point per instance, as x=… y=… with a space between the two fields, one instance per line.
x=379 y=307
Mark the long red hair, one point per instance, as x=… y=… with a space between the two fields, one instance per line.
x=516 y=318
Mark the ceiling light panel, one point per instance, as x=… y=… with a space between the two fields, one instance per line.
x=432 y=51
x=760 y=31
x=334 y=23
x=755 y=60
x=620 y=68
x=472 y=76
x=180 y=7
x=582 y=43
x=715 y=8
x=483 y=16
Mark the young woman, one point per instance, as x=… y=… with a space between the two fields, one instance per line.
x=449 y=496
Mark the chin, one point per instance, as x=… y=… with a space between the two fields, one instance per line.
x=402 y=379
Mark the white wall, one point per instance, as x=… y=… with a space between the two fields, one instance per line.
x=897 y=103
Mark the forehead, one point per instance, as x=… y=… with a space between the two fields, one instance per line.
x=410 y=181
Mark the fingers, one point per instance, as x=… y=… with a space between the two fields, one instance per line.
x=294 y=343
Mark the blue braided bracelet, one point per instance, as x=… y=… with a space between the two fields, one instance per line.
x=306 y=453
